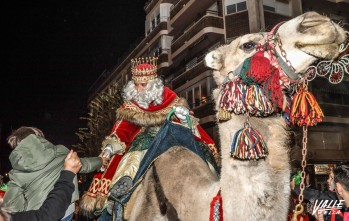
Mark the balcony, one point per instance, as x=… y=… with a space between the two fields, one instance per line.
x=149 y=5
x=189 y=72
x=202 y=25
x=160 y=27
x=205 y=109
x=177 y=7
x=184 y=11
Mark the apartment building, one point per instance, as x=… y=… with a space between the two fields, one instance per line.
x=181 y=32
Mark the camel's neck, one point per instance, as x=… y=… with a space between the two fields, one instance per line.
x=272 y=130
x=253 y=180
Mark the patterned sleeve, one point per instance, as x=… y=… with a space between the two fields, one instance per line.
x=121 y=136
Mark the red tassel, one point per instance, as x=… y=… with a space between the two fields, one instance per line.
x=260 y=68
x=216 y=208
x=305 y=110
x=268 y=77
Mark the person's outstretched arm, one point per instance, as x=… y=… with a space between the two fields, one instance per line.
x=59 y=198
x=310 y=193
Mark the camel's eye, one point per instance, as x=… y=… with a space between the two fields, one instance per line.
x=248 y=46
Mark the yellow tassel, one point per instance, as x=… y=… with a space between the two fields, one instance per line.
x=305 y=110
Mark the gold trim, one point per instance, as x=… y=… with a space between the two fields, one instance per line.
x=132 y=113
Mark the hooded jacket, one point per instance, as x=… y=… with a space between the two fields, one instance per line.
x=37 y=165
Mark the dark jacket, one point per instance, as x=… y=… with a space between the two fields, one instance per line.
x=56 y=203
x=37 y=164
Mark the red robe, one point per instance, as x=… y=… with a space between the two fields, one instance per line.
x=130 y=120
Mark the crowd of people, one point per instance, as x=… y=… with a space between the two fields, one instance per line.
x=43 y=183
x=326 y=205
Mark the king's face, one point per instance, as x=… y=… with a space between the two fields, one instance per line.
x=141 y=86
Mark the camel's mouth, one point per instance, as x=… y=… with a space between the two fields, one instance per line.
x=320 y=51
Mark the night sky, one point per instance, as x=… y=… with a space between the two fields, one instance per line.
x=52 y=52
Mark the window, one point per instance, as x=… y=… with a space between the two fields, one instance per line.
x=155 y=50
x=199 y=93
x=268 y=8
x=197 y=96
x=190 y=98
x=231 y=9
x=237 y=7
x=241 y=6
x=153 y=24
x=157 y=19
x=204 y=95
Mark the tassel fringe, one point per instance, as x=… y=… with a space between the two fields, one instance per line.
x=256 y=102
x=305 y=110
x=248 y=144
x=238 y=98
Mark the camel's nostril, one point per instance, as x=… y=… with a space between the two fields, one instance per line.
x=312 y=19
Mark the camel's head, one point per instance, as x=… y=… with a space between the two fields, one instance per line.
x=305 y=39
x=227 y=57
x=309 y=37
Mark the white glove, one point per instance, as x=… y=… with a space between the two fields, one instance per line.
x=114 y=145
x=181 y=112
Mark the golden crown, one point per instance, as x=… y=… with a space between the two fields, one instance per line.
x=144 y=68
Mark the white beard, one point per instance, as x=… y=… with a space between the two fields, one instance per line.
x=153 y=93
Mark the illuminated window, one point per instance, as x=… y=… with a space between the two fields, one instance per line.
x=204 y=95
x=199 y=93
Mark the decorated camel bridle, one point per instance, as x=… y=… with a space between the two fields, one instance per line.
x=265 y=84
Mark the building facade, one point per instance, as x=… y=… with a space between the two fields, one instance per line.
x=181 y=32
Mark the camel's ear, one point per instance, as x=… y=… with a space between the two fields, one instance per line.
x=214 y=60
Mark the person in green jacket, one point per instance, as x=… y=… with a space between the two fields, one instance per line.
x=57 y=201
x=37 y=165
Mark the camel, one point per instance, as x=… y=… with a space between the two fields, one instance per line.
x=180 y=185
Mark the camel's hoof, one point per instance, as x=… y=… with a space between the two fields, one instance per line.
x=121 y=187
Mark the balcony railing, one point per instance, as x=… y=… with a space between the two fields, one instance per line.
x=161 y=26
x=189 y=73
x=177 y=7
x=148 y=4
x=207 y=21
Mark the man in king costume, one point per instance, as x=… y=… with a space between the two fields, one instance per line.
x=147 y=102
